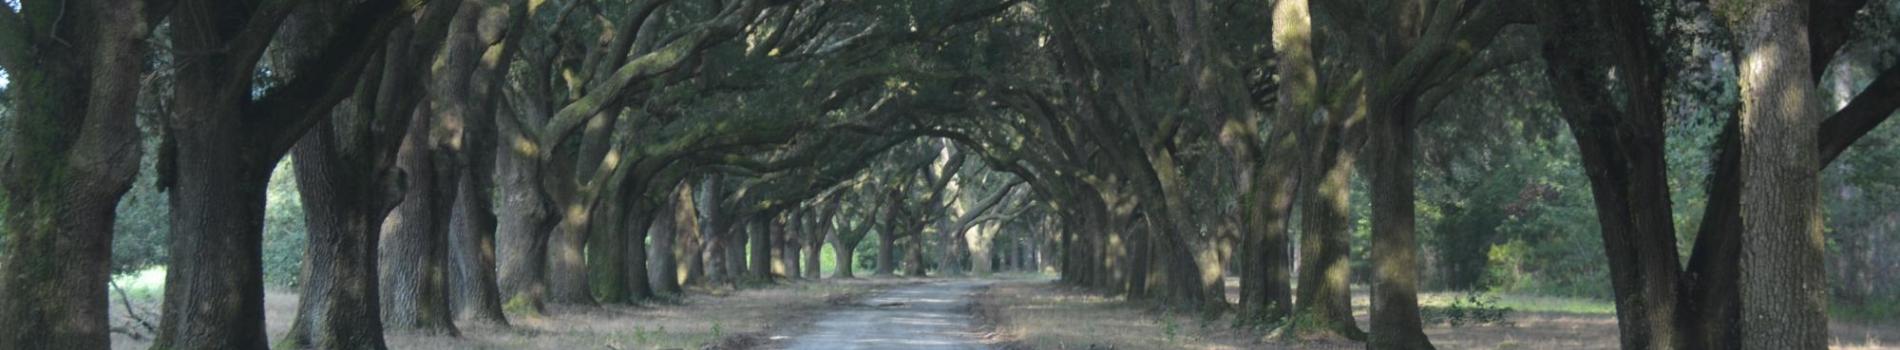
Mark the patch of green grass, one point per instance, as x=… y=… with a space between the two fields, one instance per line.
x=1875 y=310
x=520 y=305
x=148 y=284
x=1528 y=303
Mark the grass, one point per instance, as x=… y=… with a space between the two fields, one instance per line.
x=1528 y=303
x=148 y=284
x=1884 y=310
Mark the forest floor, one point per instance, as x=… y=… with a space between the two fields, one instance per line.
x=1041 y=314
x=715 y=319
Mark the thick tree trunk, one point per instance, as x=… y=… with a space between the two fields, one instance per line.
x=814 y=249
x=525 y=213
x=1784 y=278
x=339 y=305
x=638 y=280
x=761 y=229
x=846 y=257
x=567 y=262
x=662 y=265
x=914 y=255
x=607 y=262
x=521 y=230
x=414 y=244
x=980 y=245
x=793 y=247
x=71 y=150
x=1395 y=261
x=214 y=288
x=776 y=247
x=950 y=245
x=735 y=250
x=472 y=240
x=475 y=294
x=886 y=252
x=224 y=145
x=1325 y=276
x=692 y=265
x=1622 y=153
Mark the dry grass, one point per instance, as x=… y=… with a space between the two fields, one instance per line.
x=730 y=320
x=1045 y=315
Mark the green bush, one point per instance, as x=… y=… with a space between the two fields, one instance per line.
x=283 y=229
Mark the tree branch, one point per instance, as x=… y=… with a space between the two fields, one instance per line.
x=1867 y=110
x=286 y=111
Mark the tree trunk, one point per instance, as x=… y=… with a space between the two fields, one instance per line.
x=1325 y=295
x=638 y=280
x=762 y=229
x=567 y=262
x=339 y=306
x=736 y=237
x=414 y=246
x=980 y=248
x=914 y=255
x=521 y=229
x=814 y=248
x=795 y=231
x=690 y=243
x=615 y=226
x=1622 y=153
x=846 y=259
x=1784 y=278
x=472 y=238
x=214 y=288
x=475 y=294
x=225 y=143
x=776 y=251
x=71 y=150
x=886 y=253
x=1395 y=318
x=713 y=228
x=662 y=264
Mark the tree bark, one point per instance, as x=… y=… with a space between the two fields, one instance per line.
x=737 y=236
x=1622 y=153
x=761 y=230
x=793 y=247
x=814 y=247
x=343 y=204
x=1325 y=276
x=692 y=239
x=638 y=280
x=521 y=228
x=1394 y=254
x=414 y=245
x=1784 y=279
x=476 y=295
x=673 y=220
x=887 y=240
x=846 y=259
x=608 y=261
x=567 y=262
x=71 y=150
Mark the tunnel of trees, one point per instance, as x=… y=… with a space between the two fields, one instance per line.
x=1715 y=167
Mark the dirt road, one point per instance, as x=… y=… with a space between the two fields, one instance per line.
x=926 y=316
